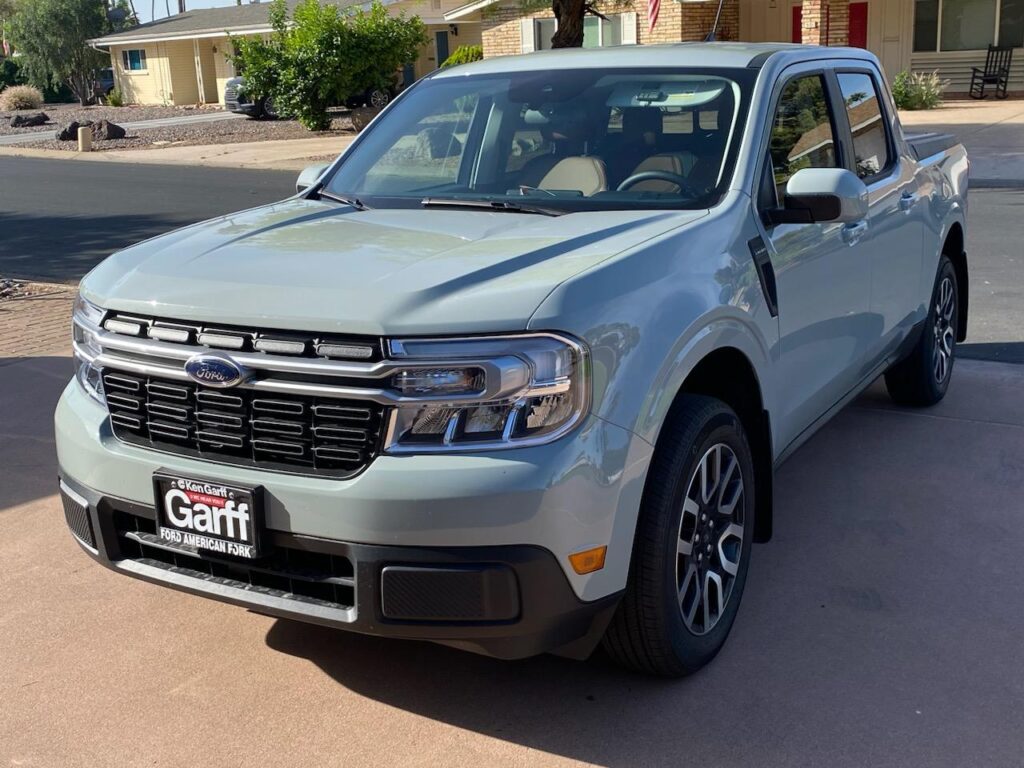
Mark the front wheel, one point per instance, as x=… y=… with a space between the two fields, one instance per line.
x=379 y=98
x=922 y=378
x=268 y=111
x=692 y=546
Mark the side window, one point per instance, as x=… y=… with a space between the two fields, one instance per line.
x=803 y=135
x=871 y=145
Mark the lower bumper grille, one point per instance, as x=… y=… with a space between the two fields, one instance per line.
x=319 y=578
x=77 y=517
x=317 y=436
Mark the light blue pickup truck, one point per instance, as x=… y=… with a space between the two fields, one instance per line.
x=513 y=373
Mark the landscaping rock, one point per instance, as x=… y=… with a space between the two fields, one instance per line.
x=30 y=121
x=362 y=116
x=105 y=130
x=70 y=131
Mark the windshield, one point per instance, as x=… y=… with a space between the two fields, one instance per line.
x=567 y=140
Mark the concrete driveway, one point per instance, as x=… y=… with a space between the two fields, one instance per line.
x=881 y=627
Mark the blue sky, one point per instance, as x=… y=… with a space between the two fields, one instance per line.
x=145 y=8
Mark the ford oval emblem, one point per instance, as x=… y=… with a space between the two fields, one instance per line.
x=215 y=371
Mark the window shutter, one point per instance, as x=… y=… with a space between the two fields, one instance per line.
x=528 y=35
x=628 y=28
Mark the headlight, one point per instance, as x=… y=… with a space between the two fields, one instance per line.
x=85 y=321
x=486 y=393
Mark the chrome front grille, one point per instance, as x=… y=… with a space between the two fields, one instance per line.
x=284 y=432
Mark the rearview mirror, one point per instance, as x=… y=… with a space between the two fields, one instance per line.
x=822 y=194
x=309 y=176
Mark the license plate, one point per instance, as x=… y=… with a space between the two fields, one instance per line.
x=207 y=515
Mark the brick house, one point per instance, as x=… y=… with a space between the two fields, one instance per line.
x=950 y=36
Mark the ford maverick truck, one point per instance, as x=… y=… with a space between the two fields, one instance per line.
x=514 y=372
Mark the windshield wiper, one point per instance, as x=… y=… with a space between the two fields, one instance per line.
x=355 y=202
x=493 y=205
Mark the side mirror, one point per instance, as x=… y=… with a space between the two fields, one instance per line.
x=822 y=194
x=309 y=176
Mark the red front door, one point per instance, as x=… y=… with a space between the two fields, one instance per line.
x=798 y=20
x=859 y=25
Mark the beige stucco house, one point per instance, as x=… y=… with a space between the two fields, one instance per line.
x=950 y=36
x=185 y=58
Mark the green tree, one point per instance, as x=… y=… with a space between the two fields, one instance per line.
x=321 y=56
x=52 y=37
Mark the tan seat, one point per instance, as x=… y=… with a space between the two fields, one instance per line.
x=584 y=174
x=679 y=163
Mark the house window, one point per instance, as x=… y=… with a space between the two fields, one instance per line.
x=967 y=25
x=597 y=33
x=134 y=60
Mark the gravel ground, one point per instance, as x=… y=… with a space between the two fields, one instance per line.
x=60 y=114
x=217 y=132
x=20 y=289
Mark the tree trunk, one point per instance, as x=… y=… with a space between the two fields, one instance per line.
x=569 y=14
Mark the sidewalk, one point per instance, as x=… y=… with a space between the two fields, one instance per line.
x=992 y=131
x=285 y=154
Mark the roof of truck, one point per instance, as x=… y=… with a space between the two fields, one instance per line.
x=714 y=55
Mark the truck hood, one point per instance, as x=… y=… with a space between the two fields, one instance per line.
x=319 y=266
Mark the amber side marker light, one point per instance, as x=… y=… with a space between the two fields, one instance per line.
x=589 y=560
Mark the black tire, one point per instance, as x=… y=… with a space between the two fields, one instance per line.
x=267 y=109
x=648 y=632
x=917 y=379
x=378 y=98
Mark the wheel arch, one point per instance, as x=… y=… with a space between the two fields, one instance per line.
x=726 y=373
x=953 y=247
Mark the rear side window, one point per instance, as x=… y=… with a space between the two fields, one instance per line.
x=803 y=135
x=871 y=146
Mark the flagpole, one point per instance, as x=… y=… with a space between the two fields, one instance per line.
x=714 y=27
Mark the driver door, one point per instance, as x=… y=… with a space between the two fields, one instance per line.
x=823 y=274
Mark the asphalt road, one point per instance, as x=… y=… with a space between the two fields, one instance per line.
x=59 y=218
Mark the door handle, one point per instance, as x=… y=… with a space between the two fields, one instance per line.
x=852 y=233
x=907 y=201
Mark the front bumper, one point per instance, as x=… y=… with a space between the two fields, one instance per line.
x=467 y=550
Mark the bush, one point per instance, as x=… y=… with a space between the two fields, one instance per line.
x=323 y=56
x=115 y=98
x=918 y=90
x=464 y=54
x=10 y=73
x=20 y=97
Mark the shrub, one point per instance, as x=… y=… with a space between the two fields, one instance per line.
x=20 y=97
x=323 y=56
x=115 y=98
x=464 y=54
x=917 y=90
x=10 y=73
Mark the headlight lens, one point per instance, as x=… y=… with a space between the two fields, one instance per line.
x=85 y=320
x=487 y=393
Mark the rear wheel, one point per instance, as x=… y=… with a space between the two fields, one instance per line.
x=379 y=98
x=922 y=378
x=692 y=546
x=267 y=109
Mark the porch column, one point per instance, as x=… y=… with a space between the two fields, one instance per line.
x=199 y=70
x=825 y=22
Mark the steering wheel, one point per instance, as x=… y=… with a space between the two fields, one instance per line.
x=672 y=178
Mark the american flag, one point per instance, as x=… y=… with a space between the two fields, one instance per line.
x=653 y=6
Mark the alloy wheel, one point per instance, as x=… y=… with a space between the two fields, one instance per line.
x=945 y=338
x=710 y=542
x=379 y=98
